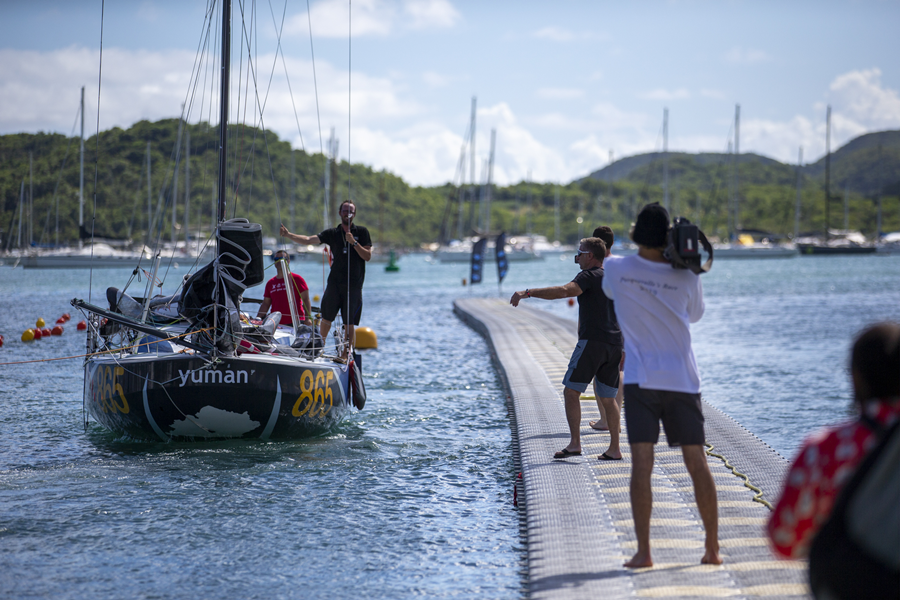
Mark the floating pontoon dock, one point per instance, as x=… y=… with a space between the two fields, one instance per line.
x=577 y=513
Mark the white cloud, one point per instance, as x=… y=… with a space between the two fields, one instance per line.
x=666 y=95
x=428 y=14
x=862 y=104
x=331 y=19
x=435 y=80
x=560 y=93
x=712 y=94
x=746 y=56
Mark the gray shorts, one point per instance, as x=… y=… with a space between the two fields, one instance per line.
x=592 y=359
x=681 y=415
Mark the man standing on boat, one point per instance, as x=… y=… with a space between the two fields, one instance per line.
x=599 y=348
x=655 y=305
x=276 y=298
x=351 y=248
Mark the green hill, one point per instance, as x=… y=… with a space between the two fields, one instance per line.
x=699 y=188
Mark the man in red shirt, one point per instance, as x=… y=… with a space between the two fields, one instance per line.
x=275 y=296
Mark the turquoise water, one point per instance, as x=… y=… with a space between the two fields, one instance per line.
x=410 y=497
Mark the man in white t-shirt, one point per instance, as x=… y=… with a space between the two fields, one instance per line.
x=655 y=305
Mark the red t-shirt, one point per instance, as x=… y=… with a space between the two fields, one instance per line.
x=823 y=466
x=276 y=292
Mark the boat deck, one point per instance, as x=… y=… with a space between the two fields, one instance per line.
x=577 y=513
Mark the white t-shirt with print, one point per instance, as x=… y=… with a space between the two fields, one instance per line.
x=655 y=305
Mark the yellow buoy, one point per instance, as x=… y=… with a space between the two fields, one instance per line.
x=28 y=335
x=366 y=338
x=316 y=298
x=40 y=322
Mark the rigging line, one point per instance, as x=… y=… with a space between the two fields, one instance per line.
x=96 y=158
x=315 y=83
x=280 y=50
x=349 y=105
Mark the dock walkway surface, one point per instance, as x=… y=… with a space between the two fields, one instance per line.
x=578 y=512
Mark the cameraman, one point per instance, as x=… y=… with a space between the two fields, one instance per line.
x=655 y=305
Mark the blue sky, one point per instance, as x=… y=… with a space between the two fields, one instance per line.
x=562 y=83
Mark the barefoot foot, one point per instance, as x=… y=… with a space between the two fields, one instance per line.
x=598 y=426
x=711 y=558
x=640 y=560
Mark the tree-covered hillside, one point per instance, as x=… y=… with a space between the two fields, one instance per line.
x=275 y=184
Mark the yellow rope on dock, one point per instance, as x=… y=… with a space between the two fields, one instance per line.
x=758 y=497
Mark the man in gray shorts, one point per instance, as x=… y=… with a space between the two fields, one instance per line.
x=655 y=305
x=599 y=348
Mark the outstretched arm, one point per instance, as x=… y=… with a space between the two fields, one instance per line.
x=300 y=239
x=569 y=290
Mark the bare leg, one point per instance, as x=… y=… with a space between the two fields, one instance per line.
x=612 y=415
x=707 y=504
x=324 y=328
x=641 y=502
x=573 y=418
x=603 y=423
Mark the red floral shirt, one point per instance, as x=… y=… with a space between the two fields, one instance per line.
x=824 y=464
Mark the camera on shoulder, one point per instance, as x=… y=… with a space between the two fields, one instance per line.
x=683 y=247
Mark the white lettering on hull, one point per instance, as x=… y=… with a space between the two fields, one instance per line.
x=212 y=376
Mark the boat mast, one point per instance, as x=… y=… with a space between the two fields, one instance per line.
x=666 y=158
x=737 y=168
x=797 y=206
x=81 y=175
x=149 y=198
x=187 y=190
x=490 y=178
x=827 y=169
x=225 y=68
x=880 y=190
x=175 y=179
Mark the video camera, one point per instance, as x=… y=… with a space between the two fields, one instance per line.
x=683 y=247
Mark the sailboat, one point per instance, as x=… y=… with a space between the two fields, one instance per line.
x=834 y=242
x=192 y=366
x=96 y=254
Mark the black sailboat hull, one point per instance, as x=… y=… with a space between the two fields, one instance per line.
x=822 y=249
x=186 y=397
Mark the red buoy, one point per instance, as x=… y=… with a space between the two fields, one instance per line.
x=571 y=301
x=58 y=330
x=1 y=341
x=37 y=333
x=82 y=325
x=60 y=321
x=66 y=316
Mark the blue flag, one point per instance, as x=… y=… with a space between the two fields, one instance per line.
x=502 y=261
x=478 y=260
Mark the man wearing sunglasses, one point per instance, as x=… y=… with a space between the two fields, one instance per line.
x=351 y=248
x=599 y=348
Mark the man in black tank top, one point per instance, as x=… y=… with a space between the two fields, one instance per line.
x=599 y=348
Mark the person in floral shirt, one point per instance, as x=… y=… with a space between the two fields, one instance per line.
x=828 y=458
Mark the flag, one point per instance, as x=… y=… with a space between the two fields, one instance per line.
x=502 y=261
x=477 y=260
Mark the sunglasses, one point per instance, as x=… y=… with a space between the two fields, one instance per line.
x=580 y=252
x=280 y=257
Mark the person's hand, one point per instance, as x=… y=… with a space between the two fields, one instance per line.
x=284 y=231
x=349 y=237
x=516 y=297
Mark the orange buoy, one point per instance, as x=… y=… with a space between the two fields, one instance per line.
x=40 y=322
x=82 y=325
x=571 y=301
x=58 y=330
x=28 y=335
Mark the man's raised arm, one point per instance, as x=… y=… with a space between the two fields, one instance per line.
x=300 y=239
